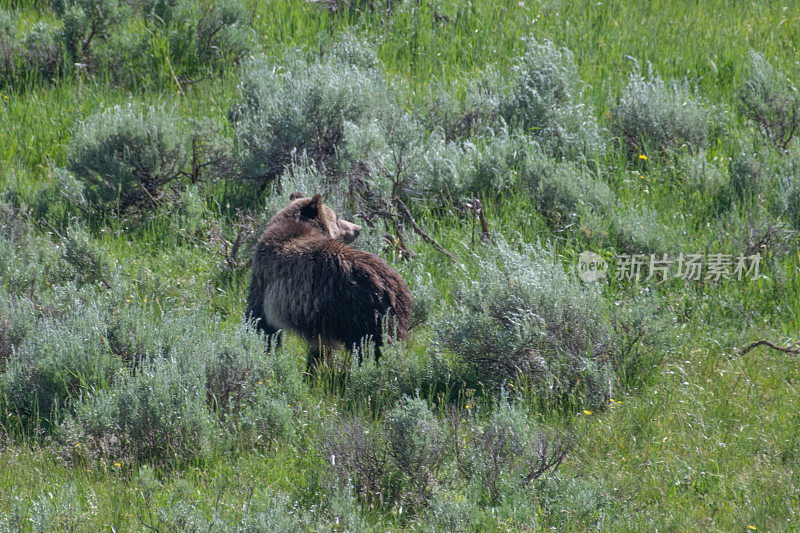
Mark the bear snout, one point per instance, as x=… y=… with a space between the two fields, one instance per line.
x=349 y=231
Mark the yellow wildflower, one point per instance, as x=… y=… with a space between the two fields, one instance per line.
x=587 y=412
x=117 y=464
x=643 y=157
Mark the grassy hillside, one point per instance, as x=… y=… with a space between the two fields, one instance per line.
x=483 y=147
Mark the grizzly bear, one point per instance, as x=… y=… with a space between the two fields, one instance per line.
x=307 y=279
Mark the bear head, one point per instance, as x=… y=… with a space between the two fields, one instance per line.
x=313 y=211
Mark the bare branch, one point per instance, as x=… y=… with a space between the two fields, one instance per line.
x=406 y=214
x=792 y=349
x=548 y=457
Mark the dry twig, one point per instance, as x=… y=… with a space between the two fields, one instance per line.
x=792 y=349
x=422 y=233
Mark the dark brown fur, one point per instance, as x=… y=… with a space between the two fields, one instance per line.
x=307 y=279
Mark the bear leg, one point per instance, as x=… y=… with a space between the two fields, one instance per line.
x=317 y=356
x=274 y=335
x=364 y=345
x=318 y=353
x=377 y=349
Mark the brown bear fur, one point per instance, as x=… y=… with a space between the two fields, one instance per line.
x=307 y=279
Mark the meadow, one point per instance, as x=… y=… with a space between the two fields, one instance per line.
x=483 y=147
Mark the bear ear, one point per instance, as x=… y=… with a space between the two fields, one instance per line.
x=312 y=208
x=295 y=195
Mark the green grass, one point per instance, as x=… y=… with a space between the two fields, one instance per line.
x=706 y=440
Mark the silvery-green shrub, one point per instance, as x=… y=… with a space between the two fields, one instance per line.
x=267 y=420
x=126 y=155
x=357 y=457
x=793 y=205
x=301 y=106
x=559 y=190
x=8 y=46
x=523 y=315
x=640 y=232
x=475 y=113
x=770 y=100
x=60 y=508
x=641 y=336
x=352 y=50
x=558 y=498
x=546 y=101
x=401 y=372
x=394 y=157
x=88 y=22
x=426 y=297
x=660 y=116
x=398 y=160
x=565 y=191
x=342 y=510
x=17 y=320
x=748 y=175
x=157 y=415
x=415 y=442
x=88 y=261
x=43 y=52
x=789 y=187
x=222 y=32
x=444 y=168
x=378 y=7
x=395 y=464
x=546 y=78
x=14 y=222
x=507 y=451
x=234 y=360
x=57 y=363
x=303 y=177
x=449 y=510
x=498 y=165
x=32 y=266
x=701 y=176
x=204 y=39
x=36 y=56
